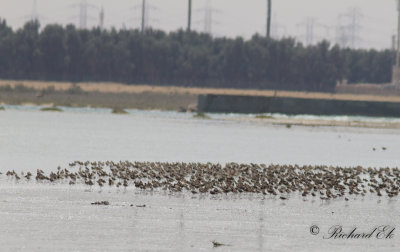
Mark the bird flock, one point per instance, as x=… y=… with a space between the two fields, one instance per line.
x=325 y=182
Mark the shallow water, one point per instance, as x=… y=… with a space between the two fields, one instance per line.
x=43 y=217
x=31 y=139
x=57 y=218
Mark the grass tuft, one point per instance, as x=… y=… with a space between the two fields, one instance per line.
x=52 y=109
x=217 y=244
x=6 y=88
x=264 y=117
x=119 y=111
x=103 y=203
x=201 y=115
x=75 y=89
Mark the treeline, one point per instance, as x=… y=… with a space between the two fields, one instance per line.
x=182 y=58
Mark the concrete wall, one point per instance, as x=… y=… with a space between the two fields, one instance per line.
x=287 y=105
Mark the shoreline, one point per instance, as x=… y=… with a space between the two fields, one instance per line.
x=166 y=98
x=329 y=123
x=269 y=120
x=76 y=97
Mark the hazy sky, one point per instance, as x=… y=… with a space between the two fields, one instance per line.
x=376 y=20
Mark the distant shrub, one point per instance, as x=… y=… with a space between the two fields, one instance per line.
x=52 y=109
x=6 y=88
x=119 y=111
x=49 y=90
x=201 y=116
x=22 y=89
x=75 y=89
x=264 y=117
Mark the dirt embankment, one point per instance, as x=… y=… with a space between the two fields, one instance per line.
x=114 y=95
x=117 y=95
x=94 y=95
x=117 y=88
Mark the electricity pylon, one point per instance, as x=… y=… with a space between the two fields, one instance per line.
x=83 y=8
x=309 y=24
x=348 y=32
x=101 y=18
x=208 y=17
x=145 y=8
x=34 y=15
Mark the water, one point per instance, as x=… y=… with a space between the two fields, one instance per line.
x=32 y=139
x=44 y=217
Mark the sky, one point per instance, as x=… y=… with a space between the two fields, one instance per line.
x=374 y=22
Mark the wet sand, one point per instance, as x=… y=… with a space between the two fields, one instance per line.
x=62 y=218
x=324 y=123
